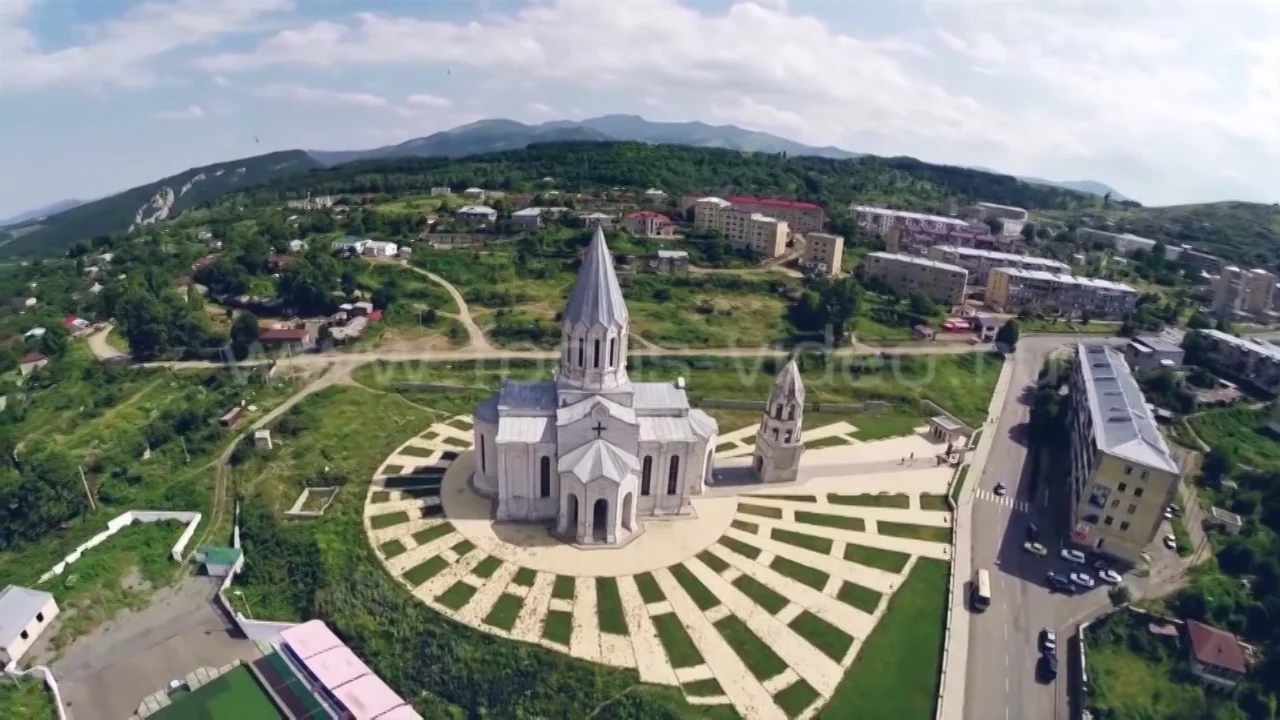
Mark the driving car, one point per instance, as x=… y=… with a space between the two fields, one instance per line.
x=1168 y=513
x=1060 y=583
x=1171 y=542
x=1048 y=640
x=1082 y=579
x=1000 y=489
x=1110 y=577
x=1035 y=548
x=1074 y=556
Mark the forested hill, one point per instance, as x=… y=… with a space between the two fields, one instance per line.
x=900 y=182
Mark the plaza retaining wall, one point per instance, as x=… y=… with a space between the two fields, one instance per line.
x=192 y=519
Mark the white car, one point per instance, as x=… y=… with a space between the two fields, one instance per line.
x=1110 y=577
x=1171 y=542
x=1082 y=579
x=1168 y=514
x=1035 y=548
x=1074 y=556
x=1000 y=489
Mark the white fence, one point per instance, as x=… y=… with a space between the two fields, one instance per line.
x=192 y=519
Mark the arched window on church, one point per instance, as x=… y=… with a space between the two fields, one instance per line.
x=788 y=437
x=582 y=349
x=673 y=475
x=595 y=356
x=777 y=412
x=545 y=484
x=775 y=433
x=646 y=475
x=613 y=352
x=791 y=412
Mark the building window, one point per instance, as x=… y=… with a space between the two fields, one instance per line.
x=1133 y=509
x=613 y=352
x=1145 y=474
x=646 y=475
x=777 y=412
x=1122 y=486
x=1124 y=525
x=1108 y=520
x=1128 y=469
x=1137 y=492
x=545 y=483
x=673 y=475
x=582 y=349
x=788 y=437
x=482 y=454
x=775 y=433
x=39 y=617
x=1115 y=503
x=23 y=635
x=791 y=412
x=595 y=355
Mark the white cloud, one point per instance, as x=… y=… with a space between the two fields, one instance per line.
x=221 y=81
x=540 y=109
x=191 y=112
x=120 y=51
x=424 y=100
x=318 y=96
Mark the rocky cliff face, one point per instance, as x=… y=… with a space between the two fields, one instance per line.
x=155 y=210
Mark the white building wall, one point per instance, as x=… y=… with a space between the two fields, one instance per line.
x=14 y=648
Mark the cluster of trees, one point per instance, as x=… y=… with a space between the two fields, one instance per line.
x=1167 y=389
x=826 y=307
x=156 y=320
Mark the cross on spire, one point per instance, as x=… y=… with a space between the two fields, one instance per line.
x=599 y=428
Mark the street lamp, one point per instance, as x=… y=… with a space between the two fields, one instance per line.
x=247 y=609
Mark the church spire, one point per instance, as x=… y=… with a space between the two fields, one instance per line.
x=596 y=298
x=593 y=355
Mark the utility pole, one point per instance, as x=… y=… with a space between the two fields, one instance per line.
x=184 y=448
x=92 y=505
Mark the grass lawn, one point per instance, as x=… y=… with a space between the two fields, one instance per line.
x=609 y=607
x=713 y=561
x=562 y=588
x=650 y=591
x=676 y=641
x=802 y=540
x=457 y=596
x=831 y=640
x=937 y=503
x=957 y=485
x=796 y=698
x=416 y=451
x=789 y=498
x=1126 y=682
x=702 y=688
x=525 y=577
x=425 y=570
x=915 y=532
x=379 y=496
x=755 y=653
x=884 y=500
x=761 y=510
x=812 y=577
x=28 y=699
x=1241 y=430
x=462 y=547
x=887 y=560
x=724 y=447
x=236 y=694
x=762 y=594
x=895 y=676
x=744 y=549
x=504 y=612
x=386 y=520
x=391 y=548
x=829 y=441
x=426 y=535
x=701 y=596
x=834 y=521
x=558 y=627
x=744 y=526
x=863 y=598
x=393 y=470
x=486 y=567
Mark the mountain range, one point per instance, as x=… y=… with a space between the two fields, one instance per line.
x=49 y=230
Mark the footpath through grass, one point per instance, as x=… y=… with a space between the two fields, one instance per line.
x=896 y=674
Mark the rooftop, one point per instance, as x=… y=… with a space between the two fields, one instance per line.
x=907 y=214
x=1157 y=343
x=1215 y=647
x=1010 y=257
x=914 y=260
x=1065 y=279
x=1254 y=346
x=1122 y=422
x=17 y=606
x=476 y=210
x=773 y=202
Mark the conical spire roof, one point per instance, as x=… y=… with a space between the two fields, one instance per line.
x=787 y=386
x=596 y=298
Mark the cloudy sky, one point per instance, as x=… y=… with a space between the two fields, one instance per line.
x=1169 y=101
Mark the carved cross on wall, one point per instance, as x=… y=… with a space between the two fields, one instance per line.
x=599 y=428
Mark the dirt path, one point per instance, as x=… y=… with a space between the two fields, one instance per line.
x=476 y=339
x=102 y=349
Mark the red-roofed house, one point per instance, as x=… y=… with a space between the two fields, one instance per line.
x=77 y=327
x=802 y=217
x=295 y=339
x=1216 y=655
x=32 y=362
x=648 y=223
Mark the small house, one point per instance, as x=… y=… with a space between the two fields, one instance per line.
x=597 y=219
x=232 y=417
x=362 y=308
x=35 y=332
x=648 y=223
x=667 y=262
x=655 y=195
x=1216 y=656
x=32 y=362
x=262 y=439
x=441 y=191
x=923 y=332
x=24 y=615
x=477 y=214
x=529 y=218
x=292 y=339
x=379 y=248
x=1225 y=520
x=473 y=193
x=77 y=326
x=218 y=561
x=297 y=246
x=405 y=252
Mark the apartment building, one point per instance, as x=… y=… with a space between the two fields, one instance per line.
x=1014 y=290
x=877 y=221
x=980 y=263
x=801 y=217
x=1228 y=291
x=939 y=281
x=1257 y=287
x=918 y=240
x=1122 y=475
x=1200 y=261
x=823 y=251
x=986 y=210
x=1244 y=359
x=1126 y=243
x=762 y=234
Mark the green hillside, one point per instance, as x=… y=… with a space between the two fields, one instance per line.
x=114 y=214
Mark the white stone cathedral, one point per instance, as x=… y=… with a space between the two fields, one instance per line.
x=592 y=450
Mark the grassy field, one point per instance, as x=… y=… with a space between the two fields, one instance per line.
x=895 y=676
x=236 y=694
x=1242 y=430
x=25 y=698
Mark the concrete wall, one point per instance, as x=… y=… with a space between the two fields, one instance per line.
x=264 y=630
x=192 y=519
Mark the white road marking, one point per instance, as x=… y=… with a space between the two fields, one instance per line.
x=1006 y=501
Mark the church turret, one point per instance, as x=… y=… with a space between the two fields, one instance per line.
x=595 y=323
x=778 y=442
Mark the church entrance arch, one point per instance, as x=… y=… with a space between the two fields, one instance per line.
x=600 y=521
x=759 y=463
x=627 y=512
x=571 y=527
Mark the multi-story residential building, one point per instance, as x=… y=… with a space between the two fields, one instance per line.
x=1228 y=291
x=1126 y=243
x=824 y=251
x=1243 y=359
x=986 y=210
x=938 y=281
x=530 y=218
x=878 y=221
x=1014 y=290
x=918 y=240
x=801 y=217
x=1258 y=284
x=647 y=223
x=1200 y=261
x=980 y=263
x=477 y=214
x=762 y=234
x=1122 y=475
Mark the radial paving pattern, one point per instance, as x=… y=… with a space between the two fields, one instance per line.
x=762 y=601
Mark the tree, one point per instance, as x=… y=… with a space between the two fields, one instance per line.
x=348 y=282
x=996 y=225
x=244 y=333
x=1007 y=336
x=1218 y=464
x=921 y=305
x=1029 y=231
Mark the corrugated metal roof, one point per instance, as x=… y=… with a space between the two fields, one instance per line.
x=516 y=395
x=1065 y=279
x=596 y=299
x=599 y=459
x=1122 y=422
x=665 y=428
x=1010 y=257
x=18 y=605
x=525 y=429
x=658 y=397
x=582 y=408
x=916 y=260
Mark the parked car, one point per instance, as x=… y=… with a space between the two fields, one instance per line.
x=1060 y=583
x=1168 y=513
x=1074 y=556
x=1035 y=548
x=1048 y=641
x=1171 y=542
x=1110 y=577
x=1000 y=489
x=1082 y=579
x=1176 y=510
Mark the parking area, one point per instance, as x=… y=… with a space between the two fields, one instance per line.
x=106 y=674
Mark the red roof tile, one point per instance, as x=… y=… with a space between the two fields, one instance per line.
x=282 y=335
x=772 y=202
x=1219 y=648
x=33 y=357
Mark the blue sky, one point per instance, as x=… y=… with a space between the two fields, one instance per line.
x=1169 y=101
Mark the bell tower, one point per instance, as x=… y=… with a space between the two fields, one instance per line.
x=778 y=442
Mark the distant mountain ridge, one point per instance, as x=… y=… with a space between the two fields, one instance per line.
x=40 y=212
